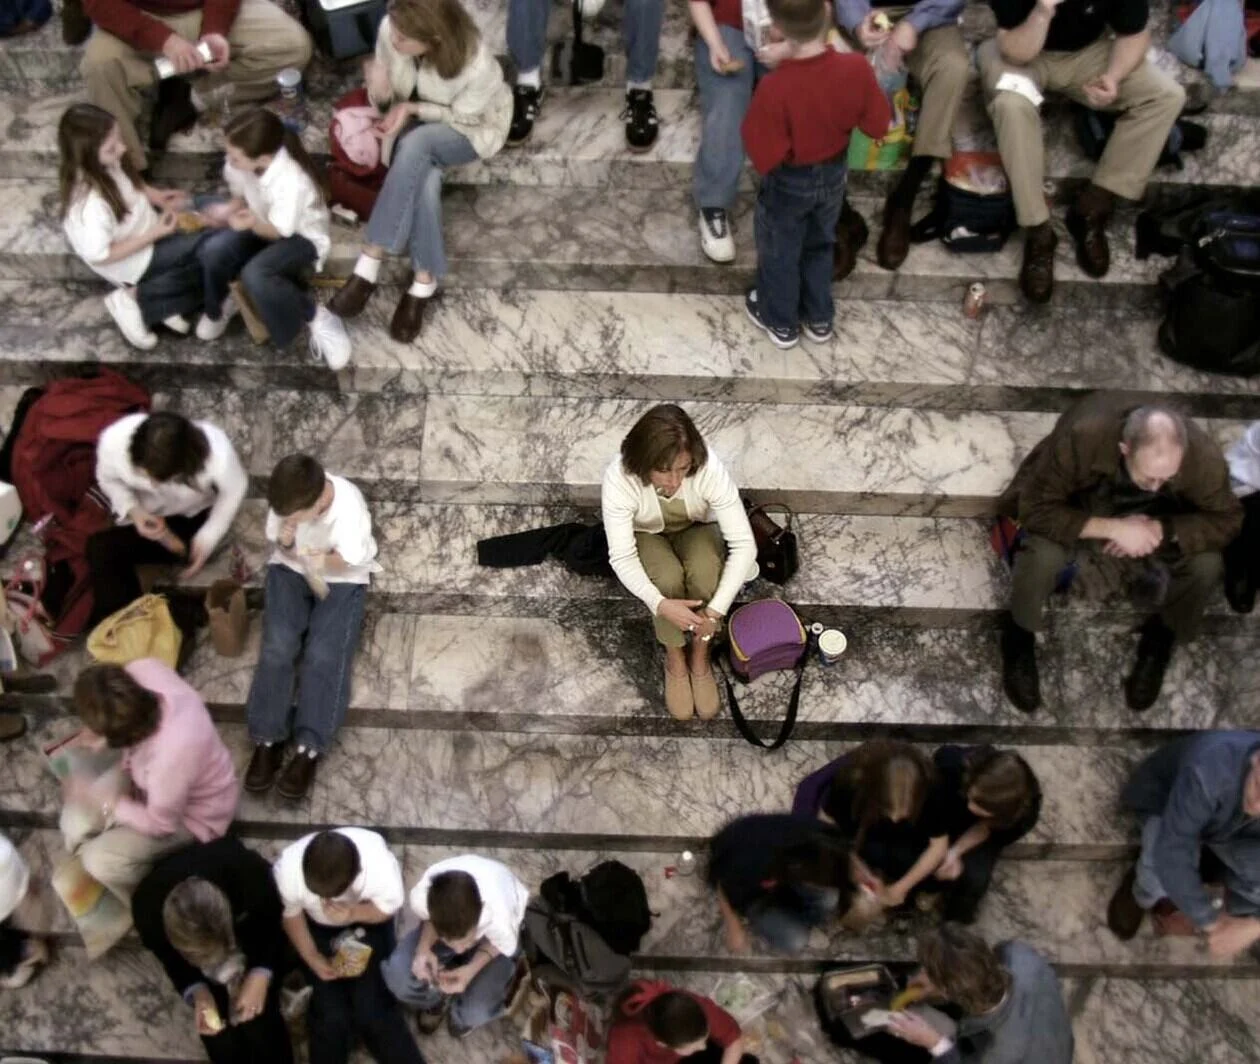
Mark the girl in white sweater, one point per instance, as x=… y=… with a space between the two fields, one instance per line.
x=432 y=65
x=660 y=497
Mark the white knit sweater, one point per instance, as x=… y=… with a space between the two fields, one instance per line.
x=631 y=506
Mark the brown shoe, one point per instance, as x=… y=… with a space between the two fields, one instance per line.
x=350 y=299
x=704 y=694
x=405 y=325
x=28 y=683
x=75 y=25
x=1124 y=914
x=851 y=237
x=1036 y=276
x=1087 y=222
x=894 y=239
x=1171 y=921
x=264 y=767
x=298 y=775
x=12 y=726
x=678 y=698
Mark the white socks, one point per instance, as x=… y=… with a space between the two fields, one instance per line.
x=368 y=268
x=531 y=79
x=632 y=85
x=421 y=290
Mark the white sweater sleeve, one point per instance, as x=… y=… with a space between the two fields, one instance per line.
x=230 y=482
x=718 y=489
x=619 y=503
x=113 y=464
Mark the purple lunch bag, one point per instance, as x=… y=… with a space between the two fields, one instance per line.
x=765 y=636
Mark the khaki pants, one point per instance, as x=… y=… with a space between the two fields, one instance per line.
x=118 y=858
x=1194 y=579
x=1148 y=103
x=263 y=41
x=940 y=65
x=682 y=565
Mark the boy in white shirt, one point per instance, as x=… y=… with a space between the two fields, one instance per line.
x=317 y=583
x=463 y=955
x=345 y=883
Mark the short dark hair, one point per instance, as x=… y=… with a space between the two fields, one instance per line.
x=658 y=438
x=1002 y=784
x=819 y=858
x=296 y=483
x=168 y=447
x=454 y=904
x=964 y=968
x=676 y=1019
x=114 y=705
x=330 y=864
x=800 y=21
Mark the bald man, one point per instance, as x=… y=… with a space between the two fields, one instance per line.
x=1141 y=483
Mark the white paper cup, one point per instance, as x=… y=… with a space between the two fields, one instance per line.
x=831 y=645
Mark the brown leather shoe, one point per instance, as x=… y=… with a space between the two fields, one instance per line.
x=264 y=767
x=894 y=239
x=1036 y=276
x=405 y=325
x=851 y=237
x=12 y=726
x=1124 y=914
x=1169 y=920
x=298 y=775
x=350 y=299
x=75 y=25
x=1089 y=234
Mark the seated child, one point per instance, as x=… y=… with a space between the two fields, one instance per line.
x=653 y=1023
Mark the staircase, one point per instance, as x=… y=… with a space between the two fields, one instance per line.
x=518 y=712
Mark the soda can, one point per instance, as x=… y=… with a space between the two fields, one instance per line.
x=973 y=302
x=166 y=69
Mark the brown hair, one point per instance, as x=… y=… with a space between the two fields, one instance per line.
x=658 y=438
x=258 y=132
x=169 y=447
x=800 y=21
x=884 y=776
x=80 y=133
x=964 y=968
x=674 y=1018
x=443 y=27
x=198 y=921
x=454 y=905
x=115 y=706
x=296 y=483
x=330 y=864
x=1002 y=784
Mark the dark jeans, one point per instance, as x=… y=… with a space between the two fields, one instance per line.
x=343 y=1009
x=12 y=942
x=795 y=224
x=272 y=272
x=264 y=1038
x=173 y=282
x=330 y=630
x=113 y=555
x=1242 y=557
x=963 y=895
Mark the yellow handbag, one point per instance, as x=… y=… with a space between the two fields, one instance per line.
x=143 y=629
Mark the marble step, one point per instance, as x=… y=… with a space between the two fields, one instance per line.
x=640 y=240
x=1058 y=906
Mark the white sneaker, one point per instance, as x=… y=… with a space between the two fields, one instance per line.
x=329 y=338
x=125 y=311
x=177 y=323
x=213 y=328
x=715 y=235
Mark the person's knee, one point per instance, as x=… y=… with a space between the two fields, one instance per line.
x=1168 y=97
x=1007 y=107
x=281 y=645
x=471 y=1011
x=99 y=861
x=671 y=582
x=1205 y=569
x=256 y=276
x=100 y=66
x=950 y=73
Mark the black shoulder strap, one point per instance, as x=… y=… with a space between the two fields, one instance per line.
x=789 y=721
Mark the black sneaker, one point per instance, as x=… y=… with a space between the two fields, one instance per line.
x=783 y=339
x=526 y=103
x=1019 y=667
x=1153 y=654
x=642 y=124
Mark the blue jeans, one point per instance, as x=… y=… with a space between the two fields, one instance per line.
x=172 y=283
x=483 y=1001
x=640 y=28
x=797 y=211
x=786 y=927
x=724 y=101
x=272 y=272
x=330 y=629
x=1242 y=872
x=408 y=211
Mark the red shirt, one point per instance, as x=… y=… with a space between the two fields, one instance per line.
x=630 y=1041
x=728 y=13
x=132 y=20
x=803 y=111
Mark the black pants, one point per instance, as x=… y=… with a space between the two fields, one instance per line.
x=1242 y=556
x=12 y=942
x=963 y=895
x=113 y=555
x=712 y=1054
x=343 y=1009
x=262 y=1039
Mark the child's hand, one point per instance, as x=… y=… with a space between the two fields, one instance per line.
x=394 y=120
x=169 y=199
x=869 y=33
x=242 y=220
x=167 y=223
x=719 y=56
x=217 y=214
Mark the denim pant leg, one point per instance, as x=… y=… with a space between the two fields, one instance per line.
x=408 y=211
x=527 y=32
x=1147 y=888
x=223 y=254
x=780 y=223
x=1242 y=875
x=402 y=983
x=641 y=31
x=274 y=280
x=486 y=996
x=818 y=250
x=724 y=101
x=783 y=930
x=172 y=282
x=324 y=675
x=286 y=616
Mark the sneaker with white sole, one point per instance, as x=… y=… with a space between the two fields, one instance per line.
x=715 y=235
x=125 y=311
x=212 y=328
x=819 y=332
x=177 y=323
x=783 y=339
x=34 y=956
x=329 y=339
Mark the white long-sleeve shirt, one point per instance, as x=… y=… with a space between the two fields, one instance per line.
x=631 y=506
x=285 y=196
x=219 y=487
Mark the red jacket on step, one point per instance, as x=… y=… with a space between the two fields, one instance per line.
x=132 y=20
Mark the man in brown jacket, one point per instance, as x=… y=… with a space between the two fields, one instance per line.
x=1145 y=482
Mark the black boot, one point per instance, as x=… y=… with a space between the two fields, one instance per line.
x=173 y=113
x=1019 y=666
x=1153 y=654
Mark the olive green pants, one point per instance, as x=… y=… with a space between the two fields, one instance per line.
x=682 y=565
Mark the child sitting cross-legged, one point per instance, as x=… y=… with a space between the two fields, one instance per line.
x=796 y=134
x=655 y=1023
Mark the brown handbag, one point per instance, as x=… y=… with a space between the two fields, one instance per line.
x=777 y=552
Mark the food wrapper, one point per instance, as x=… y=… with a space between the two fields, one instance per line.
x=190 y=222
x=352 y=957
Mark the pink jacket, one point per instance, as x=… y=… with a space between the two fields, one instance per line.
x=183 y=773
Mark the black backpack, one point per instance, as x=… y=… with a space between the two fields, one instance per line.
x=1094 y=128
x=967 y=221
x=610 y=898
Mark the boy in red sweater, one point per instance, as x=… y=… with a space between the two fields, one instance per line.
x=796 y=133
x=656 y=1024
